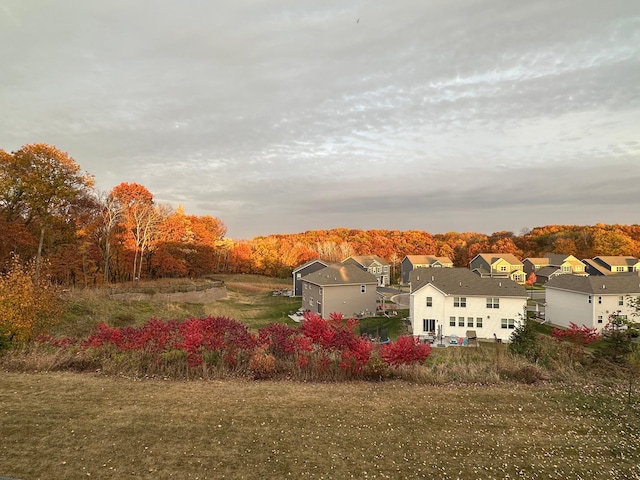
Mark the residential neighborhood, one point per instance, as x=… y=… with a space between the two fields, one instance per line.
x=485 y=301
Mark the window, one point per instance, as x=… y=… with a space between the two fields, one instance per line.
x=428 y=324
x=429 y=301
x=503 y=268
x=599 y=299
x=304 y=285
x=566 y=268
x=363 y=289
x=298 y=275
x=459 y=301
x=578 y=268
x=589 y=298
x=508 y=323
x=493 y=302
x=621 y=300
x=311 y=301
x=461 y=321
x=452 y=321
x=599 y=318
x=620 y=269
x=470 y=322
x=479 y=322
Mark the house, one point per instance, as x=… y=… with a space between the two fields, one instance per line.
x=372 y=264
x=339 y=288
x=610 y=265
x=547 y=273
x=498 y=265
x=564 y=263
x=589 y=300
x=305 y=269
x=411 y=262
x=450 y=301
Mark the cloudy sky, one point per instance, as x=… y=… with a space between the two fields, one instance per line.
x=284 y=116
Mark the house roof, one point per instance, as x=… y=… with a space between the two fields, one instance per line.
x=546 y=271
x=537 y=260
x=596 y=266
x=427 y=259
x=559 y=258
x=366 y=260
x=492 y=258
x=609 y=285
x=462 y=281
x=310 y=262
x=618 y=261
x=339 y=274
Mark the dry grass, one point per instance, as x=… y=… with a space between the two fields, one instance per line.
x=78 y=426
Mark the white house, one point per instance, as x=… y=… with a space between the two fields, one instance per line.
x=590 y=300
x=457 y=300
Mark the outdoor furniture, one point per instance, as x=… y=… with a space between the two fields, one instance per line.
x=472 y=338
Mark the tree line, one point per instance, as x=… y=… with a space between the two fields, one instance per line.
x=50 y=212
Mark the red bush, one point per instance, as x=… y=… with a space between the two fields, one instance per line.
x=579 y=335
x=405 y=351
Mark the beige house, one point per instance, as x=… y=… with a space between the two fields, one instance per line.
x=411 y=262
x=498 y=265
x=339 y=288
x=609 y=265
x=565 y=264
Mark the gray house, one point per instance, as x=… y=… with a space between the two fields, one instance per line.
x=411 y=262
x=305 y=269
x=339 y=288
x=372 y=264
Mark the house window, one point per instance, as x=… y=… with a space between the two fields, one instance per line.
x=363 y=289
x=508 y=323
x=479 y=322
x=578 y=268
x=452 y=321
x=589 y=298
x=599 y=299
x=503 y=268
x=461 y=321
x=566 y=268
x=493 y=302
x=428 y=324
x=599 y=318
x=298 y=275
x=621 y=300
x=459 y=301
x=619 y=269
x=470 y=322
x=429 y=301
x=311 y=301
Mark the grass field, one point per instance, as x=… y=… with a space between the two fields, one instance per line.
x=71 y=426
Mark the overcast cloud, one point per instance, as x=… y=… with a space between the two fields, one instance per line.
x=291 y=115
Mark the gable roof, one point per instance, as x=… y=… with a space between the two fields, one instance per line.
x=462 y=281
x=310 y=262
x=618 y=261
x=537 y=260
x=559 y=258
x=609 y=285
x=339 y=274
x=427 y=259
x=601 y=269
x=366 y=260
x=546 y=271
x=492 y=258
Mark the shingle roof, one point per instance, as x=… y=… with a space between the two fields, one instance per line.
x=462 y=281
x=618 y=261
x=492 y=258
x=546 y=271
x=367 y=260
x=310 y=262
x=537 y=260
x=338 y=274
x=611 y=284
x=596 y=266
x=427 y=259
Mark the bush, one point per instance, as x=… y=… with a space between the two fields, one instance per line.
x=524 y=340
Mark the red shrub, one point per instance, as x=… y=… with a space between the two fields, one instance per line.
x=405 y=351
x=579 y=335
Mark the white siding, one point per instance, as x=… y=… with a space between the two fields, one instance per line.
x=564 y=307
x=443 y=307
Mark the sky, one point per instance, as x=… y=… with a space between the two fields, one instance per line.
x=284 y=116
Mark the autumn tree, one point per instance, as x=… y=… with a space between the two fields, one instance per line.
x=41 y=186
x=29 y=303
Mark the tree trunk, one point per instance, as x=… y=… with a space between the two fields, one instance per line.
x=39 y=255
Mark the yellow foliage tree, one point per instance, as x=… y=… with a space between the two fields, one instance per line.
x=29 y=303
